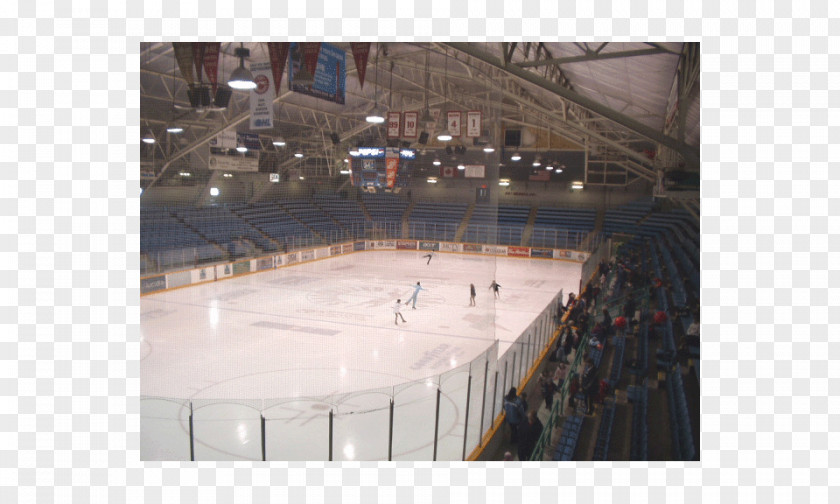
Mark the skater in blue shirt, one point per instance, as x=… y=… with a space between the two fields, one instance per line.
x=413 y=298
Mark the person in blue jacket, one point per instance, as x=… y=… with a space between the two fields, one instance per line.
x=413 y=298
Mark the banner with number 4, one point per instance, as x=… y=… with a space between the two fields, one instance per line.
x=453 y=123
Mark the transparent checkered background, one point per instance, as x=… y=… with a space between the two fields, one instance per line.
x=69 y=224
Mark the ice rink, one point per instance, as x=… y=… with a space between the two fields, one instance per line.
x=327 y=327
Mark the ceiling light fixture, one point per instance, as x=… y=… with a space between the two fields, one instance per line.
x=174 y=129
x=436 y=162
x=241 y=78
x=489 y=149
x=298 y=154
x=279 y=142
x=536 y=162
x=241 y=148
x=444 y=135
x=462 y=167
x=377 y=115
x=515 y=157
x=432 y=180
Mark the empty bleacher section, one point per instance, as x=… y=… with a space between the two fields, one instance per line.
x=348 y=214
x=221 y=226
x=435 y=221
x=624 y=218
x=386 y=213
x=501 y=225
x=562 y=227
x=273 y=221
x=166 y=242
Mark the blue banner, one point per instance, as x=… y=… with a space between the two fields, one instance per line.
x=329 y=75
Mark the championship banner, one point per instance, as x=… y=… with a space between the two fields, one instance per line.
x=453 y=123
x=310 y=52
x=393 y=125
x=392 y=163
x=211 y=63
x=410 y=124
x=278 y=53
x=328 y=74
x=474 y=123
x=198 y=57
x=184 y=57
x=474 y=171
x=360 y=56
x=262 y=97
x=234 y=163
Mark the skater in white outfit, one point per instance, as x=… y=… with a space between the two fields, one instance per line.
x=397 y=312
x=413 y=298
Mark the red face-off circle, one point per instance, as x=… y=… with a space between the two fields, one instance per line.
x=262 y=84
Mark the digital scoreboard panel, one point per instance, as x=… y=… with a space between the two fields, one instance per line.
x=381 y=167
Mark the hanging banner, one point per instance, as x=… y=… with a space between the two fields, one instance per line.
x=278 y=53
x=211 y=63
x=262 y=97
x=198 y=57
x=247 y=162
x=310 y=52
x=224 y=140
x=329 y=74
x=474 y=123
x=453 y=123
x=392 y=163
x=393 y=124
x=540 y=175
x=250 y=140
x=360 y=56
x=184 y=55
x=474 y=171
x=410 y=124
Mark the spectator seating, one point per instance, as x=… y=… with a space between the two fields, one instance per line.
x=435 y=221
x=562 y=227
x=624 y=218
x=276 y=223
x=682 y=441
x=169 y=242
x=496 y=225
x=223 y=227
x=565 y=450
x=602 y=443
x=638 y=396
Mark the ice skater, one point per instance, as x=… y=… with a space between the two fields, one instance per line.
x=429 y=255
x=413 y=298
x=495 y=288
x=472 y=295
x=397 y=312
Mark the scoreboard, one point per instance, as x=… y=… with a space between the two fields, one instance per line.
x=381 y=167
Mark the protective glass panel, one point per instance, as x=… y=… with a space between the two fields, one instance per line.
x=164 y=429
x=454 y=385
x=361 y=425
x=414 y=420
x=227 y=430
x=297 y=429
x=477 y=374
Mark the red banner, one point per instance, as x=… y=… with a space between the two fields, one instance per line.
x=391 y=165
x=310 y=52
x=211 y=63
x=278 y=53
x=198 y=57
x=519 y=251
x=361 y=50
x=540 y=175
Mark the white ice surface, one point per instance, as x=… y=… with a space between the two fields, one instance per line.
x=324 y=328
x=328 y=326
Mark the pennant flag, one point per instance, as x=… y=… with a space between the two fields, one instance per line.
x=278 y=52
x=184 y=56
x=310 y=55
x=361 y=50
x=198 y=57
x=211 y=63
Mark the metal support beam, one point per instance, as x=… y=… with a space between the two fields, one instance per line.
x=591 y=56
x=689 y=153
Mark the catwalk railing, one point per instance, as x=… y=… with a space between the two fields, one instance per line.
x=443 y=417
